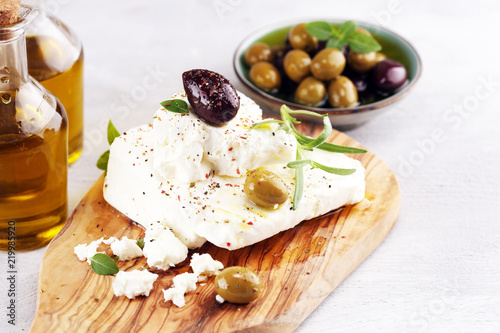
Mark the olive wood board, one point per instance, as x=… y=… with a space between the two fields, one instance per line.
x=298 y=268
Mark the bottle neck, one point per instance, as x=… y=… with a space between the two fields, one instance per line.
x=13 y=59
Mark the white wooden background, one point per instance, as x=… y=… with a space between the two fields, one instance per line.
x=439 y=269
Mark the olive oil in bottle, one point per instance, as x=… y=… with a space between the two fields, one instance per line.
x=55 y=59
x=33 y=148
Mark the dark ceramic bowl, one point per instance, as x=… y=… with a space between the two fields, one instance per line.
x=393 y=45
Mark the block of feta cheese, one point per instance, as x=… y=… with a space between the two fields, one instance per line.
x=183 y=283
x=134 y=283
x=126 y=249
x=162 y=249
x=189 y=176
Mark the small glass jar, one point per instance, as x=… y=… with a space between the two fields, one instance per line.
x=55 y=59
x=33 y=148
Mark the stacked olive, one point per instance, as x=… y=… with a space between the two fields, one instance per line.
x=310 y=74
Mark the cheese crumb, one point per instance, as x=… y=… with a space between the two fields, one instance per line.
x=183 y=283
x=162 y=249
x=204 y=265
x=134 y=283
x=126 y=249
x=85 y=252
x=219 y=299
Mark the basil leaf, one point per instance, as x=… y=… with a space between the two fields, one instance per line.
x=102 y=162
x=140 y=243
x=361 y=43
x=347 y=29
x=102 y=264
x=327 y=146
x=321 y=30
x=112 y=132
x=176 y=106
x=337 y=171
x=335 y=44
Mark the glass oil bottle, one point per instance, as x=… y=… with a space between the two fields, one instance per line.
x=55 y=59
x=33 y=148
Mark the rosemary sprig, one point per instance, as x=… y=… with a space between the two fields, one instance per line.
x=305 y=143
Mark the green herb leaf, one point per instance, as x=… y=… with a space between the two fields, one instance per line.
x=327 y=146
x=140 y=243
x=115 y=259
x=321 y=30
x=298 y=164
x=337 y=171
x=176 y=106
x=102 y=264
x=335 y=44
x=102 y=162
x=347 y=29
x=263 y=124
x=327 y=130
x=112 y=132
x=361 y=43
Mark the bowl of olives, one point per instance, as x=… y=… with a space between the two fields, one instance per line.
x=351 y=71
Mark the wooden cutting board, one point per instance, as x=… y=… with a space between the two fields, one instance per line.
x=297 y=268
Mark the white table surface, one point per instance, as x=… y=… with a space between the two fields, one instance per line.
x=439 y=268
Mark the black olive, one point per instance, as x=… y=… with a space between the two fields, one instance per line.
x=212 y=97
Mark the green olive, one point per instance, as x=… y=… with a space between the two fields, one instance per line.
x=342 y=93
x=258 y=52
x=328 y=64
x=265 y=76
x=297 y=65
x=310 y=92
x=362 y=62
x=265 y=188
x=300 y=39
x=237 y=285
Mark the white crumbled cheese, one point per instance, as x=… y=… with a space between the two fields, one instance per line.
x=219 y=299
x=175 y=295
x=162 y=249
x=85 y=252
x=126 y=249
x=134 y=283
x=183 y=283
x=204 y=265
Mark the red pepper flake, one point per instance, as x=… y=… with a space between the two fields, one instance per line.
x=228 y=244
x=230 y=149
x=343 y=236
x=133 y=164
x=250 y=223
x=179 y=197
x=162 y=191
x=238 y=171
x=206 y=175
